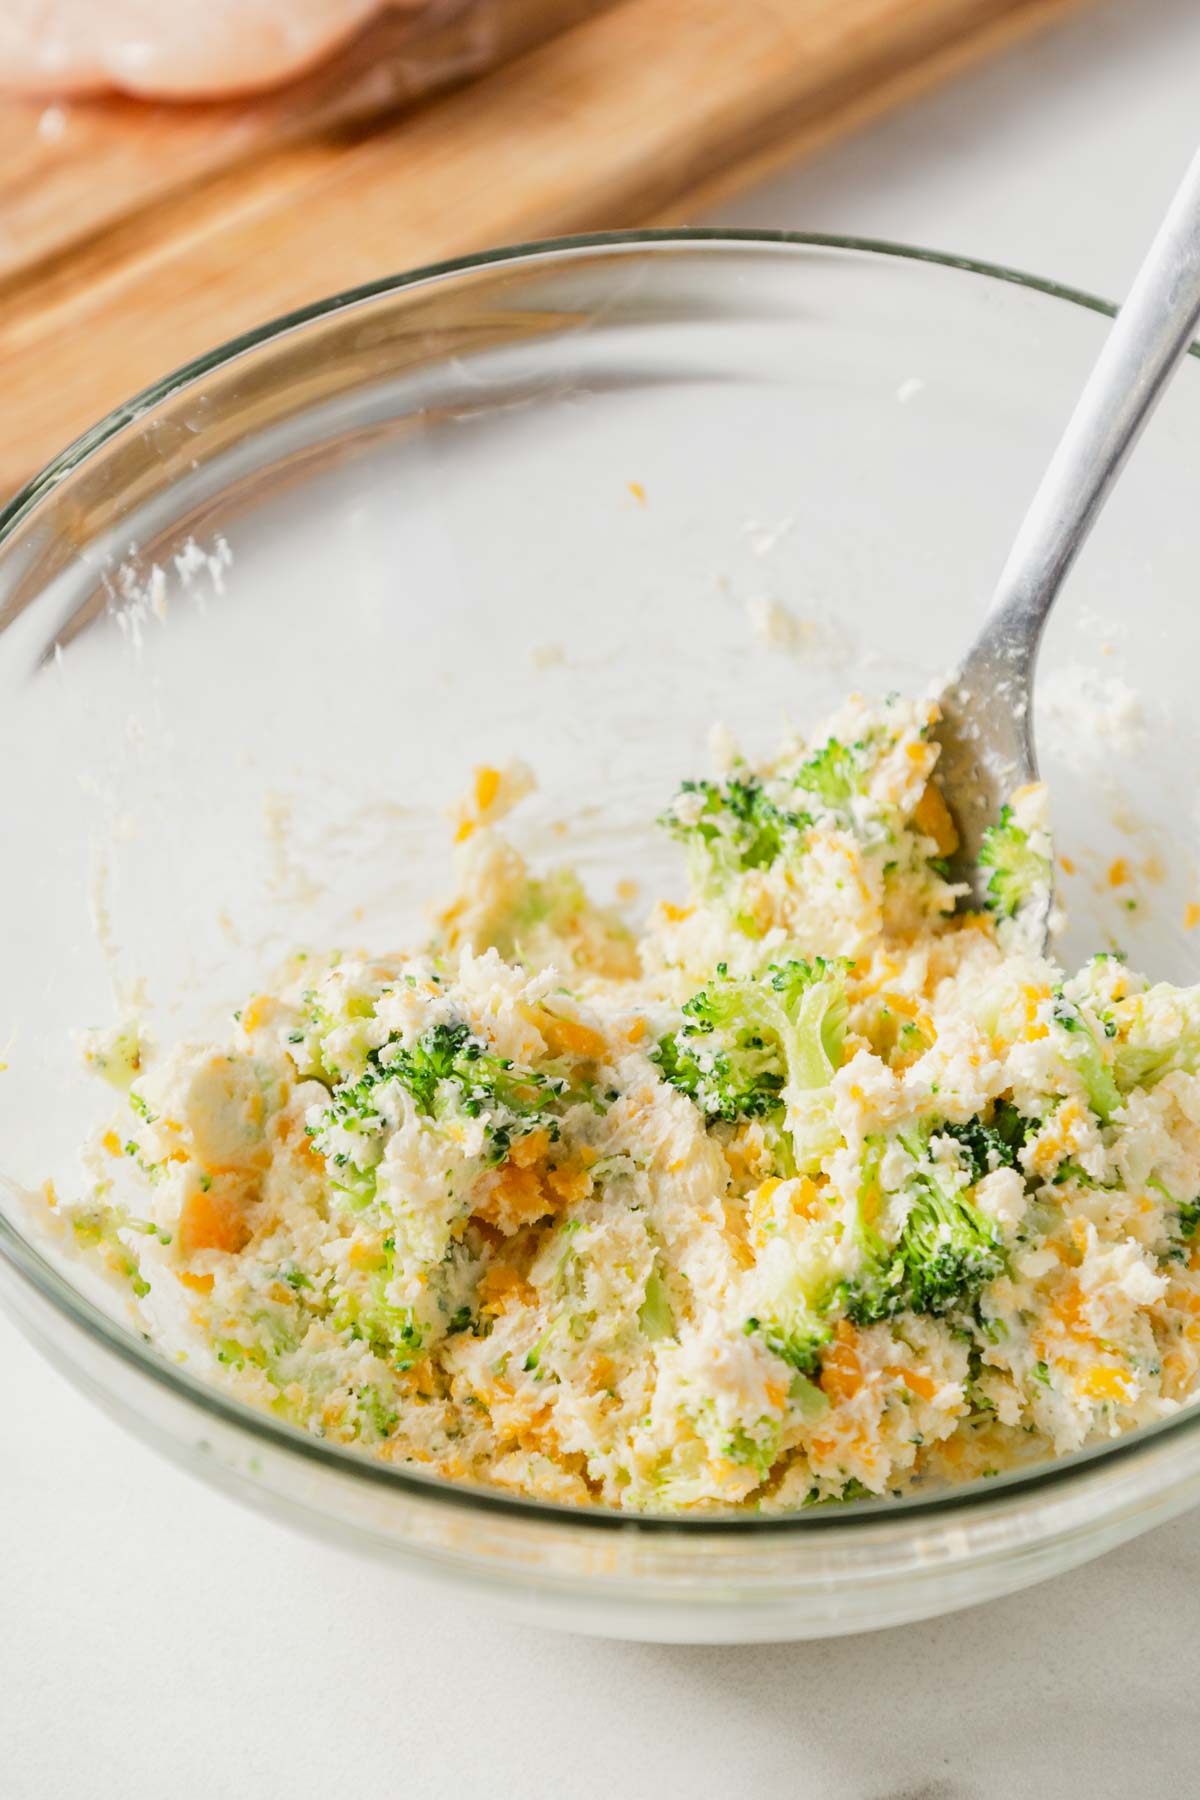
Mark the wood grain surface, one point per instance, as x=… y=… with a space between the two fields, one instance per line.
x=68 y=171
x=155 y=234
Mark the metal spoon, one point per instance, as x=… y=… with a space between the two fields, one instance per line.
x=986 y=731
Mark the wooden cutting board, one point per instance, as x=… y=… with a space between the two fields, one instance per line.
x=132 y=237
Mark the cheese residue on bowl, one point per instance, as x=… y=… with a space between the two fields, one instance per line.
x=823 y=1189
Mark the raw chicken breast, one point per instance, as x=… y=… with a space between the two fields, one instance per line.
x=177 y=49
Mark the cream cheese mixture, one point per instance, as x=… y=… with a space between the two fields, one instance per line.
x=820 y=1190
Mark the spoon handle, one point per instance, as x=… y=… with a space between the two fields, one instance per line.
x=1149 y=336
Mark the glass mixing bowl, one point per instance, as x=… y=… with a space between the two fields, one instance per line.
x=257 y=626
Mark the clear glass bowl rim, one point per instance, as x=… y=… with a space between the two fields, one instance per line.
x=34 y=1269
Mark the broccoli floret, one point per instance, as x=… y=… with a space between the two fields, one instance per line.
x=951 y=1252
x=1158 y=1033
x=744 y=1085
x=450 y=1073
x=1141 y=1065
x=392 y=1332
x=990 y=1145
x=799 y=1338
x=753 y=1449
x=834 y=774
x=1019 y=873
x=748 y=1039
x=730 y=827
x=450 y=1070
x=1087 y=1058
x=946 y=1254
x=434 y=1058
x=1181 y=1218
x=1189 y=1217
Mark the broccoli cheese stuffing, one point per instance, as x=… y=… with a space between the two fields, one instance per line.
x=824 y=1188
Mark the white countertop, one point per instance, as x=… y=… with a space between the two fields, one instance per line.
x=156 y=1640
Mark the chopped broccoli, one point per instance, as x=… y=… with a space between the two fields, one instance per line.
x=1182 y=1216
x=992 y=1144
x=753 y=1449
x=377 y=1420
x=798 y=1338
x=96 y=1224
x=393 y=1332
x=655 y=1317
x=1158 y=1032
x=834 y=774
x=1019 y=873
x=789 y=1300
x=1189 y=1217
x=354 y=1187
x=312 y=1053
x=748 y=1039
x=747 y=1085
x=479 y=1082
x=946 y=1254
x=1069 y=1169
x=1087 y=1057
x=730 y=827
x=448 y=1072
x=951 y=1252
